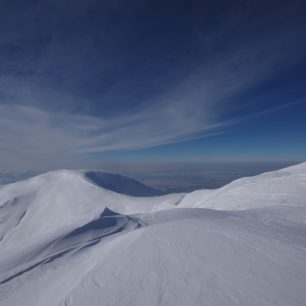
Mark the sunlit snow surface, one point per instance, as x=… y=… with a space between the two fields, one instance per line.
x=84 y=238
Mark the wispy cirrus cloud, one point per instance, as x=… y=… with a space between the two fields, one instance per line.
x=65 y=104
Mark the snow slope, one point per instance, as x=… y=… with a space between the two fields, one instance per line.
x=64 y=198
x=67 y=239
x=281 y=187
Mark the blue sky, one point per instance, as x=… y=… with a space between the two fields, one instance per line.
x=83 y=83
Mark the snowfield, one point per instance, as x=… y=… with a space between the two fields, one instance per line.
x=97 y=238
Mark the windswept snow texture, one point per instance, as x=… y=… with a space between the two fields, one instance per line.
x=91 y=238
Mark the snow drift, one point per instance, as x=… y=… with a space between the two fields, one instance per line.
x=94 y=238
x=281 y=187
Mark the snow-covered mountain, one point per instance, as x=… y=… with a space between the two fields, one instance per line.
x=96 y=238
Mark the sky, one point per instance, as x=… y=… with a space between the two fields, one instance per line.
x=89 y=83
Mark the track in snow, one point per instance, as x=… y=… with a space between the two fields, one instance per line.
x=109 y=223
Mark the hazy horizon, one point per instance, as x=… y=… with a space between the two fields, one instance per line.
x=174 y=176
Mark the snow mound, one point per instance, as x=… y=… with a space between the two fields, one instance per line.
x=281 y=187
x=174 y=257
x=58 y=199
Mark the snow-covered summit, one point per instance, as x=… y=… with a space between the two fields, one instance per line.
x=108 y=180
x=61 y=198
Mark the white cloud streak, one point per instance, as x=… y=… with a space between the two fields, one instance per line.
x=30 y=134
